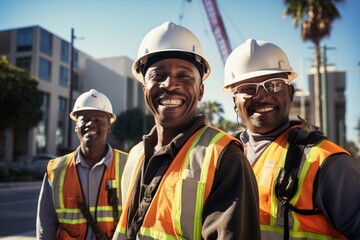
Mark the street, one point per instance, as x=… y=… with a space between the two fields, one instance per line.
x=18 y=205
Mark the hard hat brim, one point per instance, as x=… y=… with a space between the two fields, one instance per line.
x=139 y=76
x=73 y=114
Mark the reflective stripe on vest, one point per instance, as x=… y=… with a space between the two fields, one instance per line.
x=176 y=209
x=67 y=189
x=267 y=169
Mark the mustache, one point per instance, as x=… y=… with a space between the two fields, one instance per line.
x=165 y=93
x=262 y=104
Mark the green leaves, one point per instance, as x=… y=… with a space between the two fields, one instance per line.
x=20 y=100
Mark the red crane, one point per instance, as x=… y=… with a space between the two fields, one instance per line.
x=217 y=27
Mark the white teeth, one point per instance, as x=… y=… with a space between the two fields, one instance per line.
x=265 y=109
x=170 y=102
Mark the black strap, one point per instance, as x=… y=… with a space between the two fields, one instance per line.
x=286 y=223
x=150 y=190
x=114 y=202
x=303 y=211
x=90 y=220
x=287 y=182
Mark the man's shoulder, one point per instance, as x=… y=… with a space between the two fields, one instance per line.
x=60 y=161
x=120 y=151
x=231 y=138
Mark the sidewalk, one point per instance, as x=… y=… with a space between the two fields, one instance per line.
x=24 y=236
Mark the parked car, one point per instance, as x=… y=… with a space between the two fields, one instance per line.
x=37 y=164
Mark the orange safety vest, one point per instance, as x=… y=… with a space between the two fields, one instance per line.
x=176 y=209
x=267 y=169
x=66 y=189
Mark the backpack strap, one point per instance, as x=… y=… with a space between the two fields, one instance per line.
x=287 y=182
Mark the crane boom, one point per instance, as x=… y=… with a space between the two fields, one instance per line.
x=217 y=27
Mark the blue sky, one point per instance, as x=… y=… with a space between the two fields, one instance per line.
x=109 y=28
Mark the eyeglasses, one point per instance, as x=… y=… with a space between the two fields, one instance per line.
x=273 y=85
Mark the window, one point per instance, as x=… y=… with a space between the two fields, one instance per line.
x=64 y=76
x=46 y=42
x=65 y=51
x=45 y=101
x=24 y=63
x=24 y=39
x=75 y=82
x=43 y=124
x=62 y=104
x=62 y=117
x=41 y=135
x=44 y=69
x=60 y=134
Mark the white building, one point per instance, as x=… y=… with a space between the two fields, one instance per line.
x=47 y=57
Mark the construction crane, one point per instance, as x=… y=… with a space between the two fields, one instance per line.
x=217 y=27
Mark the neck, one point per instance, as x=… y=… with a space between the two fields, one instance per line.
x=164 y=136
x=92 y=155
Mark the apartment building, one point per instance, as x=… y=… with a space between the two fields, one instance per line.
x=47 y=57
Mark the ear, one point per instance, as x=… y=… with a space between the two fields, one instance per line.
x=76 y=128
x=234 y=101
x=201 y=91
x=291 y=91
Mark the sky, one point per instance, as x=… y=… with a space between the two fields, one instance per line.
x=109 y=28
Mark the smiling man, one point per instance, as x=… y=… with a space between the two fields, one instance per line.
x=185 y=180
x=80 y=195
x=308 y=186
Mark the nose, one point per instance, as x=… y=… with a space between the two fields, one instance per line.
x=169 y=83
x=260 y=89
x=89 y=122
x=260 y=93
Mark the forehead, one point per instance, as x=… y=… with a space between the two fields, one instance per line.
x=92 y=114
x=173 y=63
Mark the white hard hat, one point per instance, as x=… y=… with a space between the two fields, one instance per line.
x=93 y=100
x=255 y=58
x=169 y=41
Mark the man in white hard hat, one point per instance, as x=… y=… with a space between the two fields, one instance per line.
x=185 y=180
x=80 y=197
x=309 y=187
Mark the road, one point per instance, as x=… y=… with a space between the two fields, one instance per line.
x=18 y=204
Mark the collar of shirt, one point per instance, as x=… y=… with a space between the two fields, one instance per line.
x=257 y=143
x=105 y=160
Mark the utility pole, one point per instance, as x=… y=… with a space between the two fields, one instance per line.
x=324 y=100
x=71 y=86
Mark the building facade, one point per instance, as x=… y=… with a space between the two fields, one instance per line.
x=47 y=58
x=303 y=104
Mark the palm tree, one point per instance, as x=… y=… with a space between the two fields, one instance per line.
x=316 y=18
x=212 y=110
x=229 y=126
